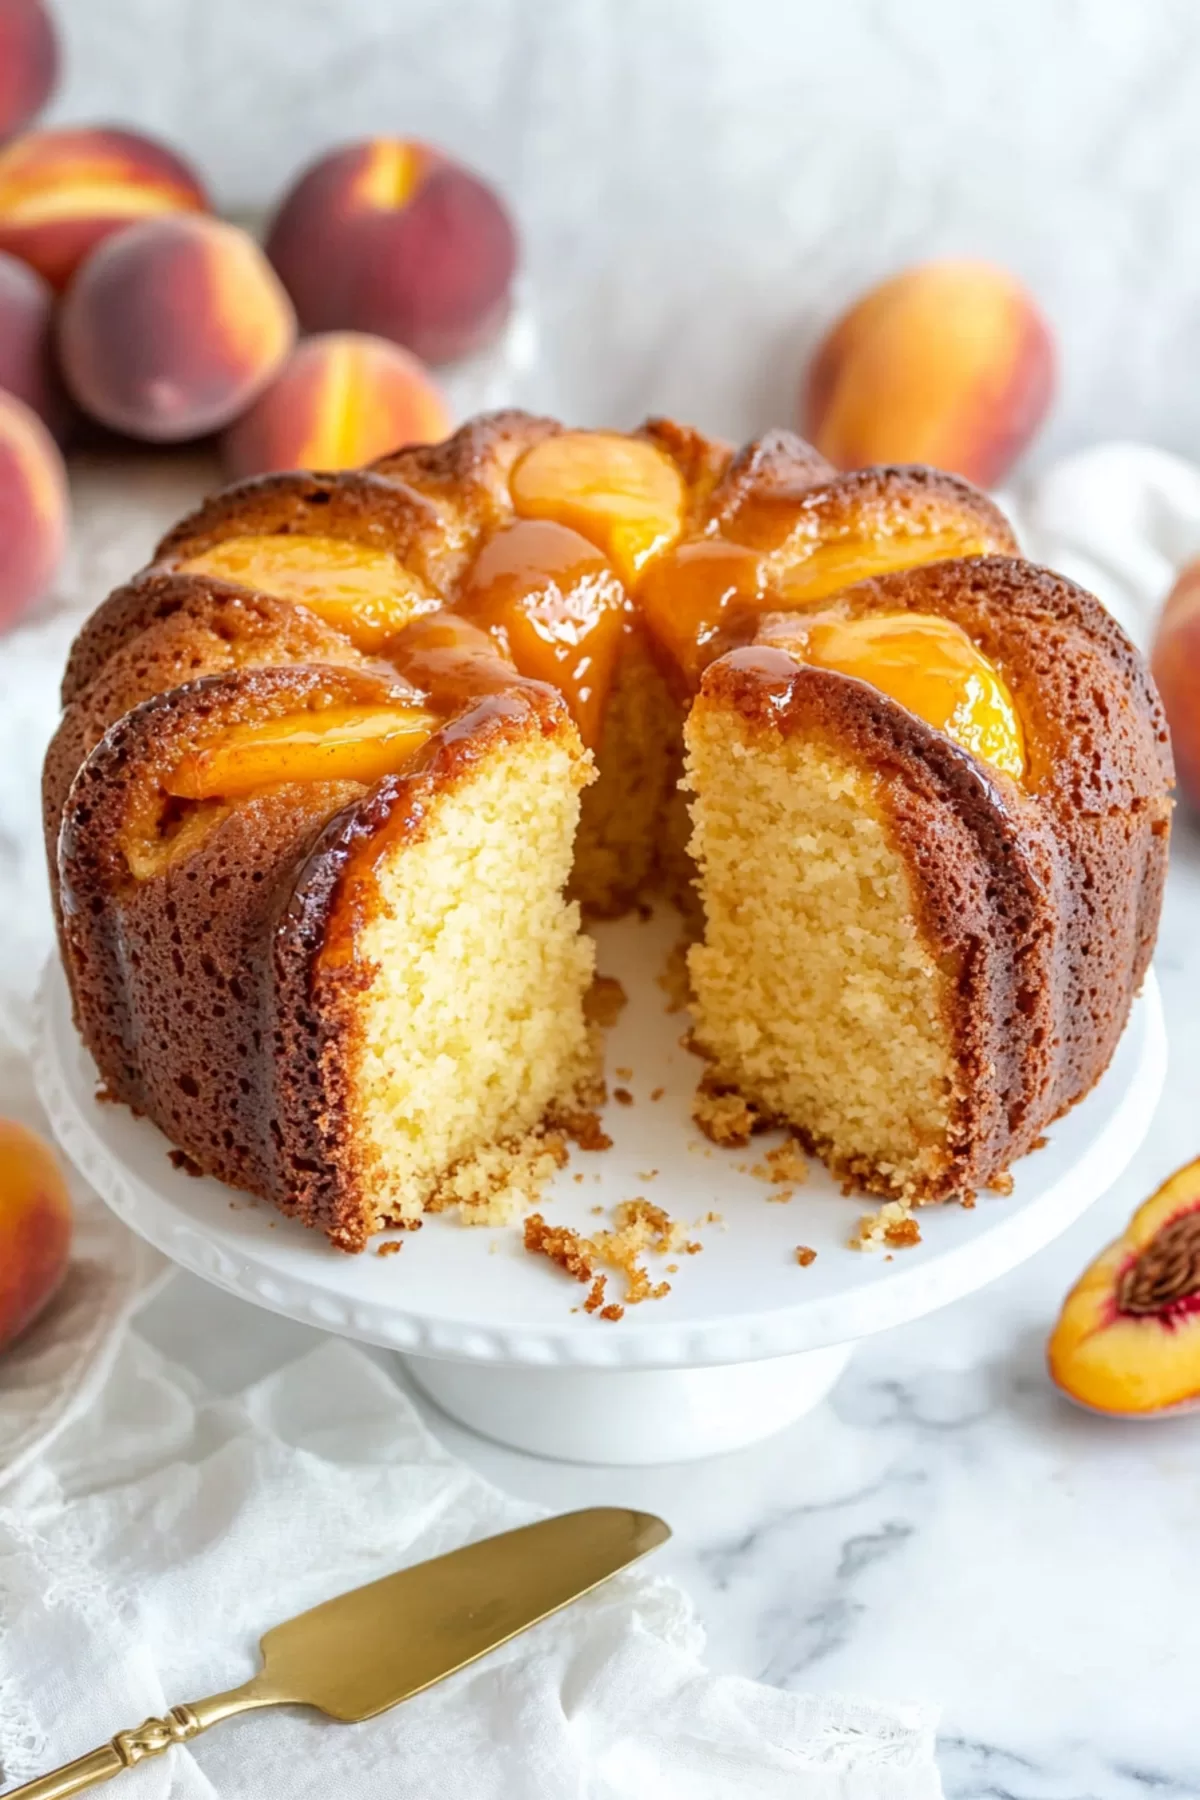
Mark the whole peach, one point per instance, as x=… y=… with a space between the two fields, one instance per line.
x=62 y=191
x=33 y=508
x=1175 y=665
x=29 y=61
x=391 y=237
x=35 y=1228
x=949 y=363
x=28 y=366
x=341 y=400
x=171 y=328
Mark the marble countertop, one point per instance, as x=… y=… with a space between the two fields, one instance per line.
x=946 y=1528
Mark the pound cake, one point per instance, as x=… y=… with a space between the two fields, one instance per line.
x=338 y=771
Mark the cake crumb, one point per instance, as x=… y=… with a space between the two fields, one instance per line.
x=967 y=1202
x=647 y=1174
x=805 y=1256
x=723 y=1116
x=786 y=1162
x=392 y=1247
x=604 y=1001
x=561 y=1245
x=624 y=1074
x=179 y=1159
x=672 y=1268
x=577 y=1177
x=582 y=1125
x=657 y=1093
x=595 y=1299
x=690 y=1042
x=781 y=1196
x=1001 y=1184
x=674 y=980
x=492 y=1186
x=892 y=1224
x=622 y=1096
x=612 y=1313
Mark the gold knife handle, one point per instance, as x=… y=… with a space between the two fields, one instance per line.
x=150 y=1738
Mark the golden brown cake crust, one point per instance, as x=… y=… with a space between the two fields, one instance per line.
x=1044 y=899
x=207 y=994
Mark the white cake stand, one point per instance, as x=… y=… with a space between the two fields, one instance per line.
x=746 y=1341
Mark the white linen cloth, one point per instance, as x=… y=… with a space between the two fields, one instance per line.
x=169 y=1527
x=163 y=1527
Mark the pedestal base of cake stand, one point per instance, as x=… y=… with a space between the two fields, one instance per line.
x=630 y=1416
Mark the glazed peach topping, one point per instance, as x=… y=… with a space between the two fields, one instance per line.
x=926 y=663
x=357 y=588
x=338 y=743
x=600 y=517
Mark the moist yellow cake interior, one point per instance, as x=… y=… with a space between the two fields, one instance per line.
x=812 y=982
x=472 y=1024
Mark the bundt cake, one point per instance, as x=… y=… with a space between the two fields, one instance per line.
x=337 y=771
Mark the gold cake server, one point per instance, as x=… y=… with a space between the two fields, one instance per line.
x=367 y=1650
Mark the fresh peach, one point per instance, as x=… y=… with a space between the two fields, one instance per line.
x=33 y=508
x=1175 y=664
x=35 y=1228
x=28 y=365
x=28 y=62
x=171 y=328
x=1128 y=1337
x=340 y=400
x=949 y=363
x=62 y=191
x=392 y=237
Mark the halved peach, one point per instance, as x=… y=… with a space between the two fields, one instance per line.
x=927 y=663
x=1128 y=1337
x=559 y=609
x=622 y=493
x=357 y=588
x=338 y=743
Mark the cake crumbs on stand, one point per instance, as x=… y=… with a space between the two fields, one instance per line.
x=391 y=1247
x=892 y=1224
x=622 y=1096
x=785 y=1163
x=723 y=1116
x=805 y=1255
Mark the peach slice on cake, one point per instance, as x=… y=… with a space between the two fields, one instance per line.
x=1128 y=1337
x=358 y=588
x=927 y=663
x=336 y=743
x=622 y=493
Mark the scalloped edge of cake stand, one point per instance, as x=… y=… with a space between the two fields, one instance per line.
x=663 y=1392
